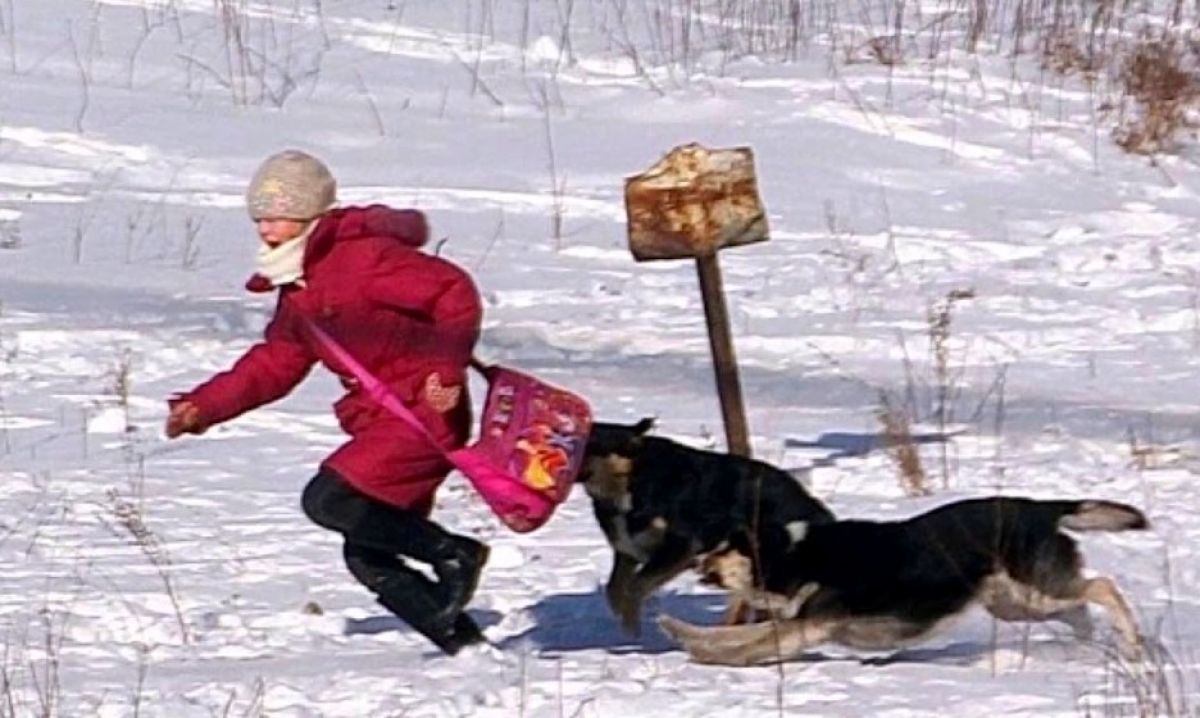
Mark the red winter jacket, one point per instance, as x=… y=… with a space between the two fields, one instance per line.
x=410 y=318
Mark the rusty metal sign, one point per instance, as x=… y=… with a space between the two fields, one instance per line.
x=690 y=204
x=693 y=202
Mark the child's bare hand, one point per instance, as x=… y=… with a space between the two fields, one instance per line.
x=184 y=419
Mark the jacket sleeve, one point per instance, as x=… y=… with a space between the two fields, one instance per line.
x=266 y=372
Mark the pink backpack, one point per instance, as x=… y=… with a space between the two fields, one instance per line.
x=530 y=445
x=532 y=437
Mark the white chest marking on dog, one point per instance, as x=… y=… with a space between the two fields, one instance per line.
x=797 y=531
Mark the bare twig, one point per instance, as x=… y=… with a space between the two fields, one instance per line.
x=129 y=519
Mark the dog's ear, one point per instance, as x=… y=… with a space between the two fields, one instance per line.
x=644 y=426
x=621 y=439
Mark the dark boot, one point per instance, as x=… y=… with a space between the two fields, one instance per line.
x=407 y=593
x=465 y=632
x=459 y=567
x=458 y=563
x=450 y=637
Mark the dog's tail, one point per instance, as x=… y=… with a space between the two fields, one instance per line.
x=1097 y=515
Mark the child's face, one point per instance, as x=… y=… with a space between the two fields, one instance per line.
x=274 y=232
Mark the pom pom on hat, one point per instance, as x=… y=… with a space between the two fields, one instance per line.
x=291 y=185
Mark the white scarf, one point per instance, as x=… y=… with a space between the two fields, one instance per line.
x=284 y=263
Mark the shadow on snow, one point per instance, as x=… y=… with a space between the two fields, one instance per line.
x=568 y=622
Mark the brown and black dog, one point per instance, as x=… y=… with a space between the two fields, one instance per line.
x=663 y=505
x=880 y=585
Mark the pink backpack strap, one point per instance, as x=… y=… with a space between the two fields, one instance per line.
x=375 y=388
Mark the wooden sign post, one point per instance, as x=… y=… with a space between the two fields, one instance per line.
x=692 y=203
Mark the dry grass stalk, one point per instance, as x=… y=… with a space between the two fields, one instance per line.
x=1065 y=54
x=939 y=319
x=1158 y=77
x=900 y=447
x=191 y=245
x=255 y=705
x=129 y=518
x=1146 y=454
x=122 y=386
x=885 y=50
x=1152 y=686
x=10 y=234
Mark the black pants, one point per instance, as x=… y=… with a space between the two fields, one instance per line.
x=378 y=538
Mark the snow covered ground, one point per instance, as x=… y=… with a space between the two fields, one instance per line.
x=155 y=579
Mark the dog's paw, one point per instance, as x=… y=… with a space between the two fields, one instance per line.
x=668 y=624
x=627 y=609
x=676 y=629
x=1135 y=651
x=631 y=621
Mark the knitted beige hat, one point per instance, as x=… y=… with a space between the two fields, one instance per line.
x=290 y=185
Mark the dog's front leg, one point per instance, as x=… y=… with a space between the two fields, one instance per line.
x=737 y=609
x=670 y=558
x=619 y=580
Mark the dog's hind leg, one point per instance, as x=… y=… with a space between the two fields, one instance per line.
x=1103 y=592
x=703 y=639
x=1011 y=600
x=1077 y=619
x=746 y=645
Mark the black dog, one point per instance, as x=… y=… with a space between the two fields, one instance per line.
x=662 y=505
x=880 y=585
